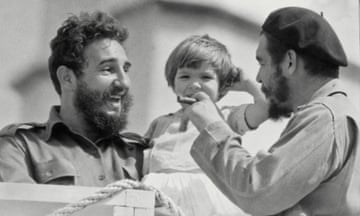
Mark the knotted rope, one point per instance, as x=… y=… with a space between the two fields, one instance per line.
x=113 y=188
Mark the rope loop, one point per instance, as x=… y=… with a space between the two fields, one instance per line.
x=111 y=189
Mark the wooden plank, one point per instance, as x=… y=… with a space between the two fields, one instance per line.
x=123 y=211
x=26 y=208
x=136 y=198
x=71 y=194
x=144 y=212
x=40 y=200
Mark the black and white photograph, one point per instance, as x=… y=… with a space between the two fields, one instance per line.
x=180 y=108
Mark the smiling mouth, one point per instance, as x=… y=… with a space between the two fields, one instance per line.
x=114 y=101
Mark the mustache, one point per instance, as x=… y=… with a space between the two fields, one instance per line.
x=116 y=91
x=265 y=90
x=126 y=102
x=124 y=94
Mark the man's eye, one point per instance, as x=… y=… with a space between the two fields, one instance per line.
x=107 y=69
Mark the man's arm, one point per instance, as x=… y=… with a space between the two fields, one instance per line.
x=252 y=115
x=268 y=182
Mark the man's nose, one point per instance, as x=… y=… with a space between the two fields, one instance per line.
x=121 y=85
x=258 y=77
x=123 y=78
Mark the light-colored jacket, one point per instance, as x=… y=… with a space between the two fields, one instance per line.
x=315 y=162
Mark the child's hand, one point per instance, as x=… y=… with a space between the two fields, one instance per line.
x=237 y=80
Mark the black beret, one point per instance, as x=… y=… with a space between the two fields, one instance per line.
x=306 y=31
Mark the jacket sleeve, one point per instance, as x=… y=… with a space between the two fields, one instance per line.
x=270 y=182
x=235 y=117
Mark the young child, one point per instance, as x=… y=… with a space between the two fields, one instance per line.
x=199 y=63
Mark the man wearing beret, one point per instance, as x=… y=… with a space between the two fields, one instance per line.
x=316 y=161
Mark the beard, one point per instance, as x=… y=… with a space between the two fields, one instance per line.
x=278 y=96
x=90 y=102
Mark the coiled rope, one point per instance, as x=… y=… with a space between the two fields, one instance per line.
x=160 y=198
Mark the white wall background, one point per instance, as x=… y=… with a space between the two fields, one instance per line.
x=26 y=27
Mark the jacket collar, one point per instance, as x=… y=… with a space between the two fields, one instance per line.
x=332 y=87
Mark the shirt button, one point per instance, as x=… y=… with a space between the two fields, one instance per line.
x=101 y=177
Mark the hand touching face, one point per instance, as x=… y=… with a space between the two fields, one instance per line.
x=189 y=81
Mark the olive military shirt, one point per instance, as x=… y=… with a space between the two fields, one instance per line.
x=51 y=153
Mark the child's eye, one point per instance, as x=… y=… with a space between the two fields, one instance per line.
x=207 y=77
x=183 y=77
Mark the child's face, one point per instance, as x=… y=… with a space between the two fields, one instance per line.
x=189 y=81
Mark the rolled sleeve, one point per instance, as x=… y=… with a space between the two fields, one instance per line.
x=237 y=119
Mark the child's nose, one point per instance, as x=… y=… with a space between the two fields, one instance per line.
x=195 y=85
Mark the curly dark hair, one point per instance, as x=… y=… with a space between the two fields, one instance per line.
x=75 y=34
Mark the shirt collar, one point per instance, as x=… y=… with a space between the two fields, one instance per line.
x=331 y=87
x=54 y=119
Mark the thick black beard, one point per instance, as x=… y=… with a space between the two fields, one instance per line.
x=277 y=111
x=280 y=95
x=89 y=103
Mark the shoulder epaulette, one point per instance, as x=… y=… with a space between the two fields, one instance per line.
x=13 y=128
x=136 y=139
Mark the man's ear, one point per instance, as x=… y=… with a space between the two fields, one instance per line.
x=67 y=78
x=290 y=61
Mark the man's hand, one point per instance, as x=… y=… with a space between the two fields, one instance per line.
x=203 y=112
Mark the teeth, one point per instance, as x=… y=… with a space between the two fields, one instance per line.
x=114 y=100
x=115 y=97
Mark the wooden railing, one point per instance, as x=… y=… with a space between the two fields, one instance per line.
x=41 y=200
